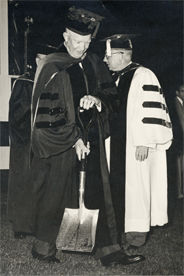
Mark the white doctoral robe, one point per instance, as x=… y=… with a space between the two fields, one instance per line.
x=148 y=124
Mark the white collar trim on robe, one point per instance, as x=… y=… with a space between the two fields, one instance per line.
x=180 y=100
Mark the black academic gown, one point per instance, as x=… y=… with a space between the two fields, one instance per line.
x=20 y=211
x=118 y=146
x=59 y=85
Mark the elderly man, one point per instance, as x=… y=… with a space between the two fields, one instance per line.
x=63 y=82
x=142 y=133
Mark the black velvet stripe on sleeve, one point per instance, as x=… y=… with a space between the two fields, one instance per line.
x=52 y=111
x=152 y=88
x=155 y=105
x=157 y=121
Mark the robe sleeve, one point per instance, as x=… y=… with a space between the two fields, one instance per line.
x=106 y=89
x=54 y=128
x=106 y=92
x=148 y=119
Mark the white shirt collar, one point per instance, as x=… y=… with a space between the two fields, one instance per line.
x=180 y=100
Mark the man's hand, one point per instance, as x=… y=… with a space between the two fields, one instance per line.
x=81 y=148
x=141 y=153
x=89 y=101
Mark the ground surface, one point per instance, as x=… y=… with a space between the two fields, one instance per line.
x=163 y=252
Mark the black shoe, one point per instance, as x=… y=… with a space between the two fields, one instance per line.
x=19 y=235
x=120 y=258
x=48 y=259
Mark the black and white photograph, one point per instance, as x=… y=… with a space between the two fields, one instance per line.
x=91 y=137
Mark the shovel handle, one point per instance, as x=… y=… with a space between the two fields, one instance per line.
x=85 y=131
x=82 y=179
x=83 y=162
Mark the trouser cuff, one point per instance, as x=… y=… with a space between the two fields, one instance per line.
x=136 y=238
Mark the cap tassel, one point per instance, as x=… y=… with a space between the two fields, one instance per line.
x=96 y=30
x=108 y=47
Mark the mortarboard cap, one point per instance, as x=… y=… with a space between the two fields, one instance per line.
x=119 y=41
x=83 y=22
x=45 y=49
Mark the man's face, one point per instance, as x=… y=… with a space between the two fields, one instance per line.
x=76 y=44
x=113 y=61
x=180 y=93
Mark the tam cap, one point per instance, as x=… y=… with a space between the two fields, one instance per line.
x=119 y=41
x=83 y=22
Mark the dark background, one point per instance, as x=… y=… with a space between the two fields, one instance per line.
x=159 y=23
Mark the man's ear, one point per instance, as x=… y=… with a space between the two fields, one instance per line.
x=65 y=35
x=177 y=93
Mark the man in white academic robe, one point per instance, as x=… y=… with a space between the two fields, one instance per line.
x=141 y=134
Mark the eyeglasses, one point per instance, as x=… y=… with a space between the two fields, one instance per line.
x=107 y=57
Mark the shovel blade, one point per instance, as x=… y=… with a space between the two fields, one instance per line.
x=77 y=235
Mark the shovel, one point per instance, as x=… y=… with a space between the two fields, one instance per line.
x=78 y=227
